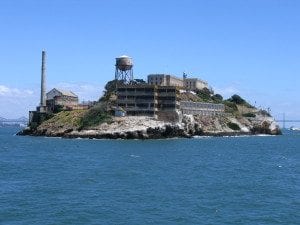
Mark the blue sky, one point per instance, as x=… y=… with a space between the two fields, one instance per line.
x=251 y=48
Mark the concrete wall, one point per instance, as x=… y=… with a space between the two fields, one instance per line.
x=201 y=108
x=164 y=80
x=174 y=81
x=194 y=84
x=137 y=99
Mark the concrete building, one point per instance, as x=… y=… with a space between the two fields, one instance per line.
x=194 y=84
x=164 y=80
x=61 y=98
x=147 y=99
x=137 y=99
x=190 y=84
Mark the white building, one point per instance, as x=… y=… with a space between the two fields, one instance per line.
x=194 y=84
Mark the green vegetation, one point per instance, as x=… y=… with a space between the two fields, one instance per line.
x=95 y=116
x=58 y=108
x=65 y=118
x=239 y=101
x=230 y=107
x=217 y=98
x=205 y=94
x=39 y=119
x=233 y=126
x=249 y=114
x=110 y=89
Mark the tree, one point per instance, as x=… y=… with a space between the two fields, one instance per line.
x=217 y=98
x=204 y=94
x=110 y=88
x=237 y=99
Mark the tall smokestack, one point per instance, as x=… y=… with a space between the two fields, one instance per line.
x=43 y=80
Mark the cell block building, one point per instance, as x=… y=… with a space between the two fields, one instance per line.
x=137 y=99
x=194 y=84
x=164 y=80
x=147 y=99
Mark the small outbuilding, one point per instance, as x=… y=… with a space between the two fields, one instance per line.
x=120 y=112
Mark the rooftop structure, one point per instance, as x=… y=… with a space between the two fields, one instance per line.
x=164 y=80
x=190 y=84
x=194 y=84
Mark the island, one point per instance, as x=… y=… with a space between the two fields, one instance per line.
x=163 y=107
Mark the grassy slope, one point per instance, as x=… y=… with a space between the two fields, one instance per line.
x=62 y=119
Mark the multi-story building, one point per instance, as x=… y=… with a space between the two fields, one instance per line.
x=137 y=99
x=190 y=84
x=164 y=80
x=160 y=102
x=147 y=99
x=194 y=84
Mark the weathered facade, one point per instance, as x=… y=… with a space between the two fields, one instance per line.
x=137 y=99
x=61 y=98
x=190 y=84
x=164 y=80
x=145 y=99
x=194 y=84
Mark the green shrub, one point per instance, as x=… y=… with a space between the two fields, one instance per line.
x=58 y=108
x=233 y=126
x=230 y=107
x=217 y=98
x=204 y=94
x=237 y=99
x=249 y=114
x=39 y=118
x=95 y=116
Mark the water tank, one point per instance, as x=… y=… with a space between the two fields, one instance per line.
x=124 y=63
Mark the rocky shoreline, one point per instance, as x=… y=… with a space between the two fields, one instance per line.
x=150 y=128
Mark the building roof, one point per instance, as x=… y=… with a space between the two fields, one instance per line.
x=65 y=92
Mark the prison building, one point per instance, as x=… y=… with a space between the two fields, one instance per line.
x=164 y=80
x=201 y=108
x=61 y=98
x=137 y=99
x=167 y=98
x=194 y=84
x=148 y=100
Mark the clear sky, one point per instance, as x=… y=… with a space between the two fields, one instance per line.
x=251 y=48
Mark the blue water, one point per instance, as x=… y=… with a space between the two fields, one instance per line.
x=242 y=180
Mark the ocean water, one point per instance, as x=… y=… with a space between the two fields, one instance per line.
x=224 y=180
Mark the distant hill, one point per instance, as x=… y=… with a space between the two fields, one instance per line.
x=21 y=119
x=2 y=119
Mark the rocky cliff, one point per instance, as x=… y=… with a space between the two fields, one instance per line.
x=149 y=128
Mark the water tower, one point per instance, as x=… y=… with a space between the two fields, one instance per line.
x=124 y=70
